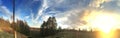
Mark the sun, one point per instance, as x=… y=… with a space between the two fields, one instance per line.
x=104 y=22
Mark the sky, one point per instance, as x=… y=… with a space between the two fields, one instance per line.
x=68 y=13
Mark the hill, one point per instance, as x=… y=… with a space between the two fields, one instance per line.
x=5 y=26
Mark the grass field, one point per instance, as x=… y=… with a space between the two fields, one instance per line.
x=6 y=35
x=62 y=34
x=78 y=34
x=73 y=34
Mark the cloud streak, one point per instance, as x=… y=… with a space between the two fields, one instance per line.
x=97 y=3
x=73 y=10
x=67 y=12
x=4 y=10
x=42 y=9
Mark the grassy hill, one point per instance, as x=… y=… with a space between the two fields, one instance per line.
x=5 y=30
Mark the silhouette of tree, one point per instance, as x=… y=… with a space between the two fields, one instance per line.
x=59 y=29
x=49 y=27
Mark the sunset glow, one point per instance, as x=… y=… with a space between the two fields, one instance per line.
x=104 y=22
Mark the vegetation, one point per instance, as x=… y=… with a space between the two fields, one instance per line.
x=5 y=29
x=6 y=35
x=21 y=27
x=49 y=27
x=59 y=29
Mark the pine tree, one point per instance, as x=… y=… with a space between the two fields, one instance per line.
x=49 y=27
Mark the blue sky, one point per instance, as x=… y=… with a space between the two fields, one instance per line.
x=66 y=12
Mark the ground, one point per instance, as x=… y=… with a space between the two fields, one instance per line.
x=75 y=34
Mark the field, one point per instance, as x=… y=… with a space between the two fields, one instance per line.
x=6 y=35
x=73 y=34
x=81 y=34
x=62 y=34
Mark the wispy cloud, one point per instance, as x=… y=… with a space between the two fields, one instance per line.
x=73 y=17
x=118 y=3
x=27 y=17
x=42 y=9
x=67 y=12
x=73 y=9
x=5 y=10
x=70 y=18
x=98 y=3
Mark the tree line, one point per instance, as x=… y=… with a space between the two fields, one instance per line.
x=49 y=27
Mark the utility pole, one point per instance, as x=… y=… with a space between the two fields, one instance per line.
x=15 y=34
x=13 y=10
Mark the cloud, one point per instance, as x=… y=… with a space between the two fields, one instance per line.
x=5 y=10
x=36 y=26
x=41 y=12
x=42 y=9
x=45 y=17
x=32 y=22
x=97 y=3
x=67 y=12
x=118 y=3
x=73 y=17
x=56 y=6
x=112 y=5
x=26 y=17
x=68 y=17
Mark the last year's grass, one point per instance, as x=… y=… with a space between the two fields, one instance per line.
x=73 y=34
x=6 y=35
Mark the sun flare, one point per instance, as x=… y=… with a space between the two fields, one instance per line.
x=104 y=22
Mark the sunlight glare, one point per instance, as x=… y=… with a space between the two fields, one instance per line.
x=104 y=22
